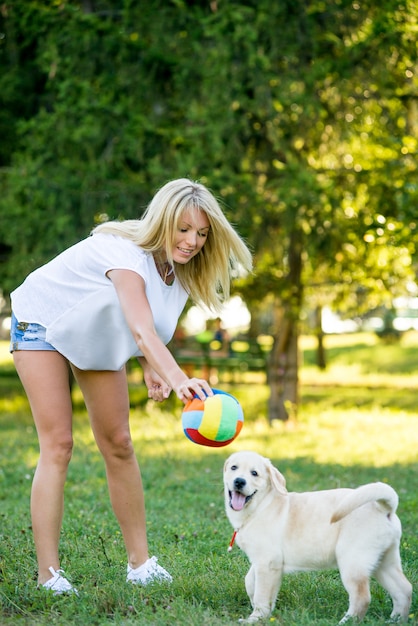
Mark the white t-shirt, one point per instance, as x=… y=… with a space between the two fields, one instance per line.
x=74 y=300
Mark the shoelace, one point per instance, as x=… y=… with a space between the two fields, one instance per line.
x=155 y=569
x=58 y=583
x=152 y=565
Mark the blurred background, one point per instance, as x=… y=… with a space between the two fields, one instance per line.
x=300 y=115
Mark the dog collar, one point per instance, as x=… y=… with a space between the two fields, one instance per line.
x=231 y=543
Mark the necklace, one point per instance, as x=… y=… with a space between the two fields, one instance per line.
x=164 y=269
x=168 y=271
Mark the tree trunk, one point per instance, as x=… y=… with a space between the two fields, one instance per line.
x=320 y=350
x=282 y=374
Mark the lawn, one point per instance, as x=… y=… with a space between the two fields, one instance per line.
x=358 y=422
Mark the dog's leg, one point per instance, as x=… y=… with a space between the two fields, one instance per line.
x=250 y=584
x=358 y=589
x=390 y=575
x=262 y=583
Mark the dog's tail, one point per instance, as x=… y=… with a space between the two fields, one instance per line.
x=384 y=496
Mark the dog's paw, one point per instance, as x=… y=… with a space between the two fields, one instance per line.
x=349 y=619
x=252 y=619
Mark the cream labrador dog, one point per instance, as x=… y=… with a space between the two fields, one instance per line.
x=354 y=530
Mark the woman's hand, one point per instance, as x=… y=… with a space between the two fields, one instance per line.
x=191 y=387
x=158 y=389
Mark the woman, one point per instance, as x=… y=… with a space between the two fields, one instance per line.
x=116 y=294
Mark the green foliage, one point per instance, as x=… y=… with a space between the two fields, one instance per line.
x=300 y=116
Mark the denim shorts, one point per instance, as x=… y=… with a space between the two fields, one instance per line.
x=27 y=336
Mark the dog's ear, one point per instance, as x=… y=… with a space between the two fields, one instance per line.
x=277 y=479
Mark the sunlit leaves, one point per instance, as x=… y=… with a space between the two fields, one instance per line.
x=300 y=115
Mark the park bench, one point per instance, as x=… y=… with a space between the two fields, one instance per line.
x=243 y=354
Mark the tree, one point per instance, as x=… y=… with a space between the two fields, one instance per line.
x=300 y=115
x=321 y=148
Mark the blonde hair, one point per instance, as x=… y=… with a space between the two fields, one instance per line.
x=207 y=276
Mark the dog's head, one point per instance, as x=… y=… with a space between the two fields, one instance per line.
x=248 y=477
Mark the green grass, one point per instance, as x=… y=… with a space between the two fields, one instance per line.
x=348 y=433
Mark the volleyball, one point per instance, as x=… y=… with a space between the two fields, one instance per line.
x=215 y=422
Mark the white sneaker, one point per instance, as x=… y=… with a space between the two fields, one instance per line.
x=147 y=572
x=58 y=584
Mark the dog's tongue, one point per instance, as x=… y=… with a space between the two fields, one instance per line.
x=237 y=501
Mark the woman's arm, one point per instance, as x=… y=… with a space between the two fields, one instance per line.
x=130 y=288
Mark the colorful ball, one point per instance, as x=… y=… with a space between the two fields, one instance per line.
x=215 y=422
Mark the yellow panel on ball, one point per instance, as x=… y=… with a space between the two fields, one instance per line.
x=211 y=419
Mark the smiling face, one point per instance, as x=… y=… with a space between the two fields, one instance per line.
x=191 y=235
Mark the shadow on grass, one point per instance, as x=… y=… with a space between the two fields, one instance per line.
x=381 y=358
x=345 y=397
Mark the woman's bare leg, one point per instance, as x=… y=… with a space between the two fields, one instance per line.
x=45 y=378
x=107 y=400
